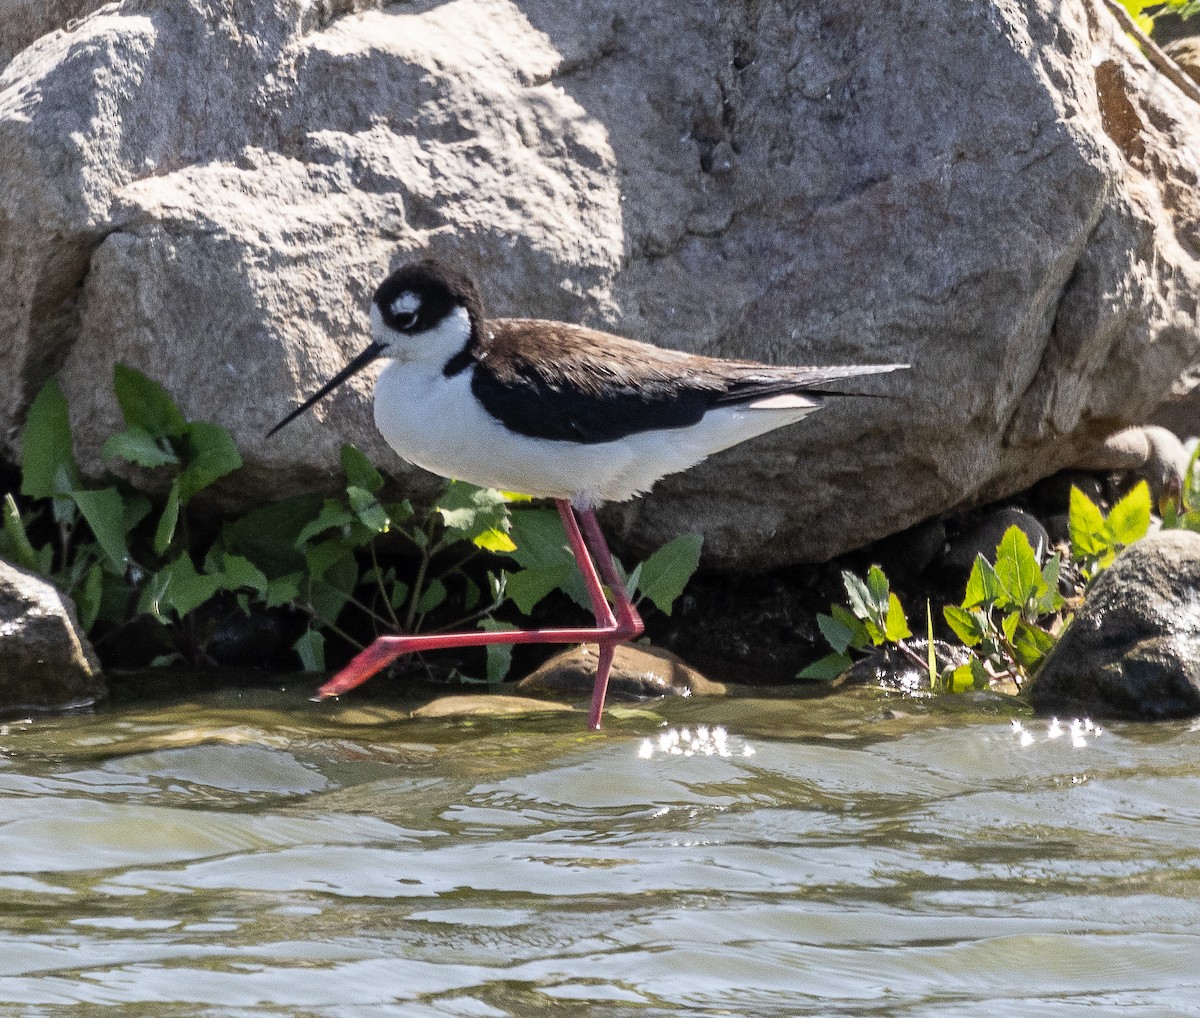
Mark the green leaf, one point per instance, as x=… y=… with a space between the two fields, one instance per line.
x=527 y=587
x=104 y=511
x=185 y=590
x=311 y=649
x=931 y=654
x=431 y=597
x=860 y=639
x=983 y=585
x=1008 y=624
x=1051 y=600
x=1190 y=495
x=1031 y=644
x=238 y=572
x=896 y=624
x=282 y=590
x=1017 y=567
x=359 y=472
x=137 y=445
x=468 y=511
x=150 y=599
x=367 y=508
x=326 y=555
x=165 y=531
x=861 y=601
x=87 y=596
x=1085 y=522
x=878 y=587
x=327 y=596
x=665 y=573
x=499 y=655
x=839 y=636
x=1129 y=520
x=47 y=453
x=972 y=675
x=495 y=540
x=19 y=548
x=332 y=515
x=268 y=536
x=208 y=453
x=145 y=404
x=967 y=626
x=827 y=668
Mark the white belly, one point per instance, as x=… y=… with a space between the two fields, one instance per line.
x=436 y=423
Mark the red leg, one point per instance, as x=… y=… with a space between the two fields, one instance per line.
x=609 y=631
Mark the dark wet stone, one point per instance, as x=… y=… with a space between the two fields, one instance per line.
x=890 y=668
x=638 y=672
x=910 y=552
x=46 y=662
x=1052 y=495
x=982 y=538
x=1133 y=650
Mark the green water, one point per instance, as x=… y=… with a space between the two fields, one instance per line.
x=256 y=854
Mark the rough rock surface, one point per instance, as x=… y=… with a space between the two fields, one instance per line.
x=45 y=660
x=637 y=672
x=1133 y=650
x=487 y=706
x=1002 y=194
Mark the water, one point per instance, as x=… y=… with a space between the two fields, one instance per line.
x=255 y=854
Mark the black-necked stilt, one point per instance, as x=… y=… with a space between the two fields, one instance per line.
x=556 y=411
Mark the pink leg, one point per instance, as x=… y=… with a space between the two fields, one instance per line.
x=609 y=631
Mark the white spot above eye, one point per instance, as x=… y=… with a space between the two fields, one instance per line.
x=406 y=303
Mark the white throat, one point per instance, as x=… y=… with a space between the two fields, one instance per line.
x=434 y=346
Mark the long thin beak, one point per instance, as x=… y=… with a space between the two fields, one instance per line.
x=356 y=365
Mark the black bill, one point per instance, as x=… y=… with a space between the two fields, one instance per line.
x=356 y=365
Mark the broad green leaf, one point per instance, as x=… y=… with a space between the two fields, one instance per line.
x=540 y=539
x=827 y=668
x=967 y=626
x=398 y=594
x=1129 y=519
x=526 y=587
x=1051 y=600
x=208 y=453
x=895 y=624
x=1008 y=624
x=839 y=636
x=972 y=675
x=1017 y=567
x=499 y=655
x=186 y=589
x=87 y=596
x=165 y=531
x=137 y=508
x=282 y=590
x=145 y=404
x=150 y=599
x=1032 y=644
x=47 y=453
x=1191 y=483
x=860 y=639
x=267 y=536
x=20 y=550
x=359 y=472
x=325 y=555
x=861 y=601
x=468 y=511
x=104 y=511
x=431 y=597
x=494 y=540
x=367 y=508
x=332 y=515
x=137 y=445
x=328 y=596
x=983 y=585
x=311 y=650
x=238 y=572
x=665 y=573
x=1085 y=522
x=877 y=585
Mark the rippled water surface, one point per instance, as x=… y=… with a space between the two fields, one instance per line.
x=258 y=854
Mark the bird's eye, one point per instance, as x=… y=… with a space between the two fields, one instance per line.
x=406 y=321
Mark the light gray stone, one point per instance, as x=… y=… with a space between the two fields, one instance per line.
x=639 y=671
x=46 y=661
x=1002 y=194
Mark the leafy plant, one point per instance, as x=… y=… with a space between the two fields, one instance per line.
x=1096 y=539
x=121 y=555
x=1144 y=12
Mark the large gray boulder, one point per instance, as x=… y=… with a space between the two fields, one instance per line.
x=1133 y=650
x=46 y=662
x=1002 y=194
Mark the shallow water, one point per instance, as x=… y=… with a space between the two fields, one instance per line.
x=247 y=854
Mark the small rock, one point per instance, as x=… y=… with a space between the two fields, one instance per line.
x=638 y=672
x=1052 y=495
x=984 y=536
x=912 y=551
x=46 y=662
x=484 y=705
x=1152 y=453
x=1133 y=650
